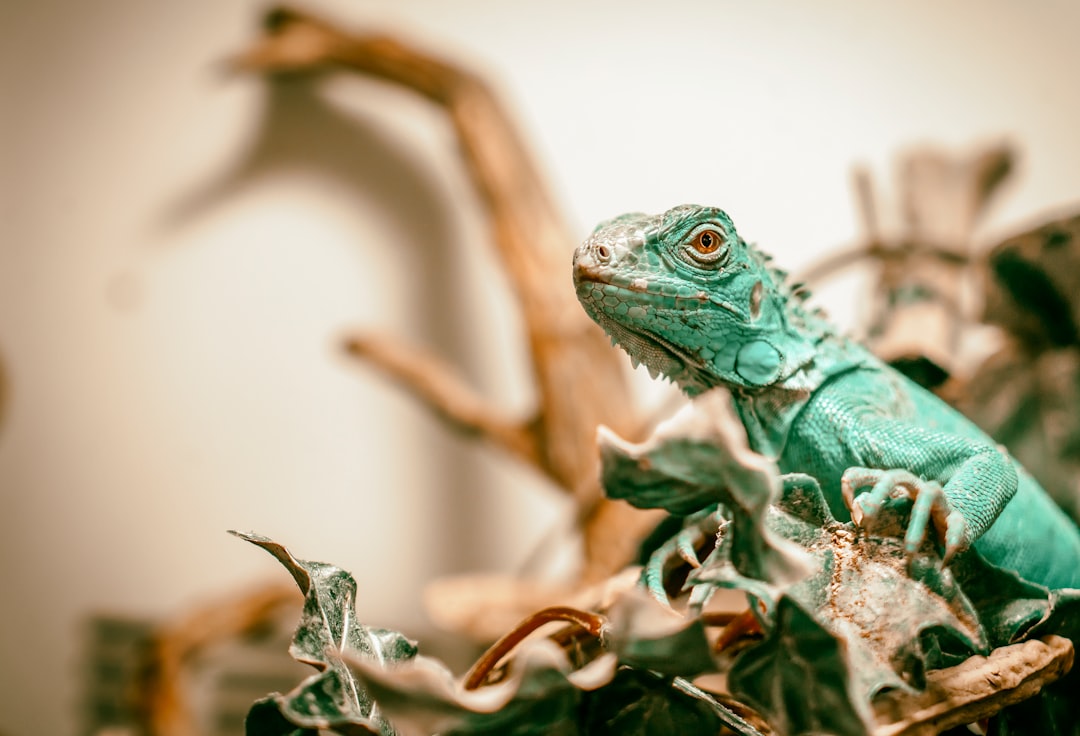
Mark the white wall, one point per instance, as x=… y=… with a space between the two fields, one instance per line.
x=175 y=270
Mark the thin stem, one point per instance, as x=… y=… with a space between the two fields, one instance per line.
x=745 y=624
x=590 y=622
x=842 y=259
x=718 y=618
x=867 y=203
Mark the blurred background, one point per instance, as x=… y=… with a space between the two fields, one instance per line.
x=183 y=250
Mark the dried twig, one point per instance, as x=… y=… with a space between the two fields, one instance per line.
x=593 y=623
x=827 y=266
x=745 y=624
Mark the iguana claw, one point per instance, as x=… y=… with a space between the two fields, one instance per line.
x=929 y=504
x=682 y=547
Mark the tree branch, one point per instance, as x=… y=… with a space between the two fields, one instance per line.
x=435 y=384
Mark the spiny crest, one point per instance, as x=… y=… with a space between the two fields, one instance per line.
x=794 y=294
x=791 y=292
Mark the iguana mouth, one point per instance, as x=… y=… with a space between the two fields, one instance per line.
x=585 y=276
x=592 y=277
x=637 y=286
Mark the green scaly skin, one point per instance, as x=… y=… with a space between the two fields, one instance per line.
x=710 y=310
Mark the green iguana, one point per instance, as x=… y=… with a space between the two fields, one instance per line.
x=684 y=295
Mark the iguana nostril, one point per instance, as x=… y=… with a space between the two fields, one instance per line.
x=603 y=253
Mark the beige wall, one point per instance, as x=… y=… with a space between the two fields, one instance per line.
x=176 y=265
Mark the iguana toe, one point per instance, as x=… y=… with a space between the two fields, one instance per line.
x=682 y=547
x=930 y=507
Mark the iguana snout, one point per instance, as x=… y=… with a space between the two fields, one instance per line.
x=685 y=296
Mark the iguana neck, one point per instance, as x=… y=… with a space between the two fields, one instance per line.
x=802 y=346
x=768 y=413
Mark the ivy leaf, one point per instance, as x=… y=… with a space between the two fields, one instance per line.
x=660 y=479
x=265 y=719
x=894 y=617
x=327 y=632
x=698 y=458
x=643 y=703
x=1008 y=605
x=694 y=459
x=800 y=679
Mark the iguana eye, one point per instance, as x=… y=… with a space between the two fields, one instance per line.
x=707 y=242
x=705 y=248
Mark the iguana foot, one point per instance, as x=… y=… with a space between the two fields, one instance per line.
x=929 y=505
x=682 y=547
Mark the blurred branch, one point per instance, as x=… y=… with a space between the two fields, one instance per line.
x=830 y=265
x=435 y=384
x=163 y=696
x=580 y=381
x=921 y=299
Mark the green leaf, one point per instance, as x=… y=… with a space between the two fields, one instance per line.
x=328 y=631
x=265 y=719
x=663 y=478
x=642 y=703
x=800 y=679
x=1008 y=605
x=699 y=458
x=695 y=459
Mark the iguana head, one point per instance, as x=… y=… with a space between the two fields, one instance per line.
x=683 y=294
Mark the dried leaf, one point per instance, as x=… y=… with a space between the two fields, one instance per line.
x=981 y=687
x=541 y=695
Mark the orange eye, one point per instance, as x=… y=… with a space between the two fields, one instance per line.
x=707 y=241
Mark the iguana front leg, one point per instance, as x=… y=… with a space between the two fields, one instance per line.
x=957 y=485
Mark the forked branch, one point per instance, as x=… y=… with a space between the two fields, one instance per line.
x=579 y=378
x=437 y=386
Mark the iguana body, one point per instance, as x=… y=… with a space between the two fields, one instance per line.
x=683 y=294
